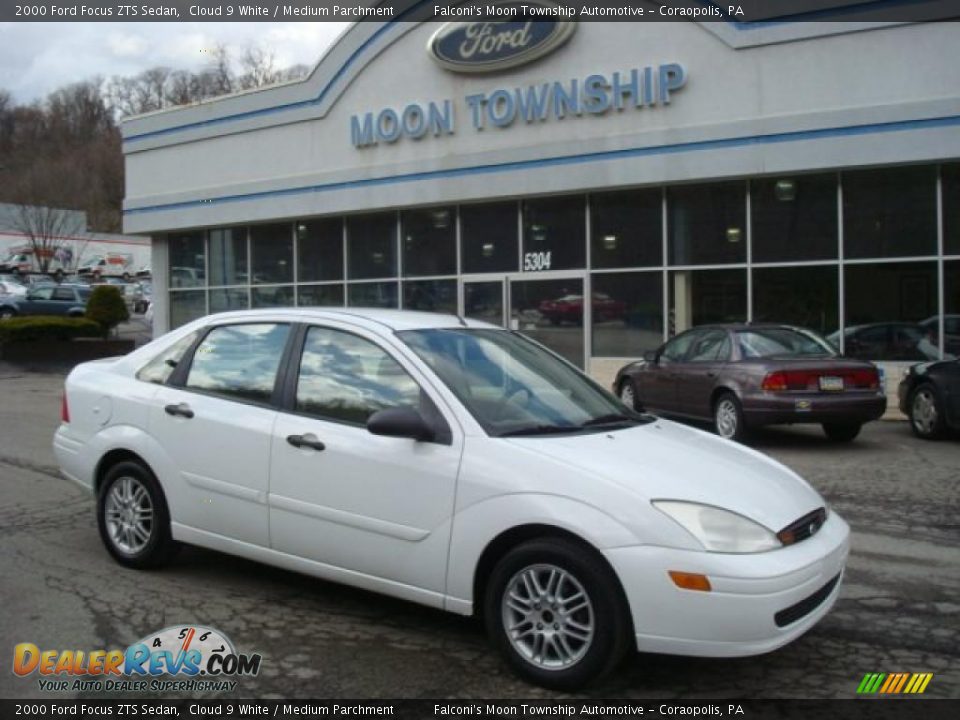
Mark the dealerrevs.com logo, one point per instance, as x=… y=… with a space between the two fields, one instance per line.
x=196 y=657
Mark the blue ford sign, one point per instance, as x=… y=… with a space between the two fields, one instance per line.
x=473 y=47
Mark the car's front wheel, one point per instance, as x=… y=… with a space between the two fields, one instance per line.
x=628 y=394
x=132 y=517
x=926 y=416
x=557 y=613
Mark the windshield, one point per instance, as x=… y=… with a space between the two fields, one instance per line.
x=513 y=386
x=779 y=342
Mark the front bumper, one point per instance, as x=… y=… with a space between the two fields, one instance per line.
x=739 y=616
x=771 y=409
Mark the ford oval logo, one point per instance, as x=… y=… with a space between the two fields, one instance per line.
x=473 y=47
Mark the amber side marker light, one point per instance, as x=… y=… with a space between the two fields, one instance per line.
x=690 y=581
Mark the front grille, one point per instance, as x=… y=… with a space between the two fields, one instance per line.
x=803 y=528
x=805 y=606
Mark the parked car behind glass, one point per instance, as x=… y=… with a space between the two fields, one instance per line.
x=455 y=464
x=742 y=376
x=930 y=397
x=70 y=300
x=887 y=341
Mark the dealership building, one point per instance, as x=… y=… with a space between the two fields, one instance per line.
x=674 y=174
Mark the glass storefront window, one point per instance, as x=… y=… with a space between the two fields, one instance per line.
x=627 y=313
x=794 y=218
x=488 y=237
x=484 y=301
x=950 y=187
x=187 y=262
x=626 y=229
x=550 y=312
x=885 y=304
x=272 y=296
x=186 y=305
x=271 y=252
x=802 y=296
x=951 y=309
x=701 y=297
x=890 y=212
x=320 y=250
x=228 y=256
x=317 y=295
x=554 y=233
x=372 y=246
x=429 y=241
x=229 y=299
x=707 y=223
x=430 y=296
x=372 y=294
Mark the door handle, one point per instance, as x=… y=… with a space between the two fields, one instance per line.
x=309 y=440
x=183 y=410
x=711 y=374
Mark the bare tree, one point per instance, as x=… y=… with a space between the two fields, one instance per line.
x=258 y=68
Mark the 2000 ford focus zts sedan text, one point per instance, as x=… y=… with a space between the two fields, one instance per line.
x=456 y=464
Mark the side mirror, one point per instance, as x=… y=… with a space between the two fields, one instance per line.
x=400 y=422
x=650 y=356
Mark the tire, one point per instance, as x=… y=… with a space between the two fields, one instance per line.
x=842 y=432
x=127 y=488
x=126 y=277
x=58 y=276
x=728 y=421
x=628 y=394
x=926 y=412
x=7 y=312
x=587 y=655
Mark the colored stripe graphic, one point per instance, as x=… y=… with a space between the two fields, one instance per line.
x=894 y=683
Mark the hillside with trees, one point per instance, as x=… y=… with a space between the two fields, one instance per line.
x=64 y=151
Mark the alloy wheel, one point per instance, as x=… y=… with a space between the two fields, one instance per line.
x=924 y=412
x=548 y=616
x=129 y=515
x=726 y=418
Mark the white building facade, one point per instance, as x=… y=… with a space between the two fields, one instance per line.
x=599 y=186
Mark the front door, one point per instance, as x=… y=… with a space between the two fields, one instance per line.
x=380 y=506
x=551 y=311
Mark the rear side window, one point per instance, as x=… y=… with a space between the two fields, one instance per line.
x=64 y=294
x=347 y=378
x=239 y=361
x=162 y=366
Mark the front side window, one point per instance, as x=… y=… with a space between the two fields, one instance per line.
x=512 y=386
x=239 y=361
x=346 y=378
x=159 y=369
x=676 y=349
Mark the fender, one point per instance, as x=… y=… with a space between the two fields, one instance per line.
x=477 y=525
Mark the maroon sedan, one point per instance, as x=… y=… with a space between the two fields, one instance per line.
x=743 y=376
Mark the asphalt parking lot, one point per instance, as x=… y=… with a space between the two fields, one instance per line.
x=899 y=610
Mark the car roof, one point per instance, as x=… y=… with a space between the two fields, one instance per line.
x=743 y=326
x=375 y=318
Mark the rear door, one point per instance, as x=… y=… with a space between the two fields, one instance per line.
x=215 y=421
x=380 y=506
x=698 y=376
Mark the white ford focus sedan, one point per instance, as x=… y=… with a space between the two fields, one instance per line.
x=456 y=464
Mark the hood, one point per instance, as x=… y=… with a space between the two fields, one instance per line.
x=668 y=461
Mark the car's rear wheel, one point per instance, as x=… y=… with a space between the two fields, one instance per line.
x=841 y=432
x=728 y=419
x=132 y=517
x=628 y=394
x=7 y=312
x=925 y=413
x=556 y=612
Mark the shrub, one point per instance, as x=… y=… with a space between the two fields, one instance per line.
x=107 y=308
x=41 y=327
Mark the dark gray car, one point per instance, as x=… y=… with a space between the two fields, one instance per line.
x=70 y=300
x=743 y=376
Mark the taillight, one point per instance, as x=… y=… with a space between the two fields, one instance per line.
x=774 y=382
x=64 y=409
x=867 y=379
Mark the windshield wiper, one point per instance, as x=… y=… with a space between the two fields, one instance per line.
x=609 y=420
x=540 y=430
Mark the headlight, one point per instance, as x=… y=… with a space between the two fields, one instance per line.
x=719 y=530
